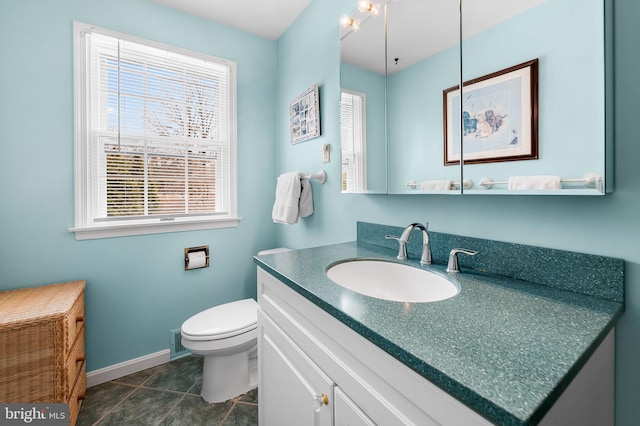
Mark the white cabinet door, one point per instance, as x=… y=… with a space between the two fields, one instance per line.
x=293 y=390
x=347 y=413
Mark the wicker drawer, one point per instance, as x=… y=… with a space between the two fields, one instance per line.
x=74 y=322
x=75 y=362
x=75 y=400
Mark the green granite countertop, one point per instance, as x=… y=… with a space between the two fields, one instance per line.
x=506 y=348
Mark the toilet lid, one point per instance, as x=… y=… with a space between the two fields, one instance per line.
x=219 y=322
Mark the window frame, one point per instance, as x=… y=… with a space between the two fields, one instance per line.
x=88 y=228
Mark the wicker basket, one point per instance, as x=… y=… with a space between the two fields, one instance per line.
x=38 y=329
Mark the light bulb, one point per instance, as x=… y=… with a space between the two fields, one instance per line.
x=367 y=6
x=348 y=21
x=345 y=21
x=364 y=5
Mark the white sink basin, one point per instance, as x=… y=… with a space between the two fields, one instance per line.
x=391 y=281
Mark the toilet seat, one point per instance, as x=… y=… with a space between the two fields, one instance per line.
x=223 y=321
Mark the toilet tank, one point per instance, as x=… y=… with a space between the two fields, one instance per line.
x=272 y=251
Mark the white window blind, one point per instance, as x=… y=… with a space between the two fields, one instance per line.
x=157 y=132
x=352 y=139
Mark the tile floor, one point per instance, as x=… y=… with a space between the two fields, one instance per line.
x=168 y=394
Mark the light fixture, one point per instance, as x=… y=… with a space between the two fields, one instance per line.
x=367 y=6
x=366 y=10
x=347 y=21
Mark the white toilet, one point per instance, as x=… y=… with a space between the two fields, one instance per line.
x=227 y=337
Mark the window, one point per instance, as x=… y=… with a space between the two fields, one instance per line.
x=155 y=137
x=352 y=141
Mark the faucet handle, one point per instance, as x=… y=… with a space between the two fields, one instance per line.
x=402 y=249
x=452 y=266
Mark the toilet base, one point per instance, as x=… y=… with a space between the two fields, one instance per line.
x=229 y=376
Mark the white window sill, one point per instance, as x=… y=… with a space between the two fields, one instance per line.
x=159 y=227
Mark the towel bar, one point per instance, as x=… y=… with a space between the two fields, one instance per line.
x=590 y=179
x=321 y=176
x=467 y=184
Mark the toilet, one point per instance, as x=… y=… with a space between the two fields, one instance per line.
x=227 y=337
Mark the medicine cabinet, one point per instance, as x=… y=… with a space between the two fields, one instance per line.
x=535 y=101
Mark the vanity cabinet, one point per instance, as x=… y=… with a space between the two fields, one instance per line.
x=42 y=335
x=315 y=370
x=305 y=354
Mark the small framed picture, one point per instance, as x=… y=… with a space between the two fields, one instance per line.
x=499 y=117
x=304 y=113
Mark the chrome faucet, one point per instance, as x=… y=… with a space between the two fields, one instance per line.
x=425 y=259
x=452 y=266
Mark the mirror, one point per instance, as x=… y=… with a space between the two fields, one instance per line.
x=423 y=59
x=534 y=102
x=546 y=118
x=363 y=124
x=400 y=69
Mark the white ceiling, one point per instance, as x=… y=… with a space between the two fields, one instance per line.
x=417 y=28
x=266 y=18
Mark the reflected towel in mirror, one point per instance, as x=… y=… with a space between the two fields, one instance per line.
x=535 y=182
x=438 y=185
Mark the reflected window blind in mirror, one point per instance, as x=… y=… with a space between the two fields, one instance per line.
x=352 y=135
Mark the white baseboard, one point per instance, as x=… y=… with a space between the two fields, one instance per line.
x=125 y=368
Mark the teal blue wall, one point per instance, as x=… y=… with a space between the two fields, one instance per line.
x=607 y=225
x=137 y=289
x=415 y=113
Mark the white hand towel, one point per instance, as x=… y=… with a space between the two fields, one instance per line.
x=535 y=182
x=305 y=207
x=437 y=185
x=285 y=207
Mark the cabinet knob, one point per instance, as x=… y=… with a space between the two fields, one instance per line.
x=80 y=318
x=80 y=358
x=321 y=400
